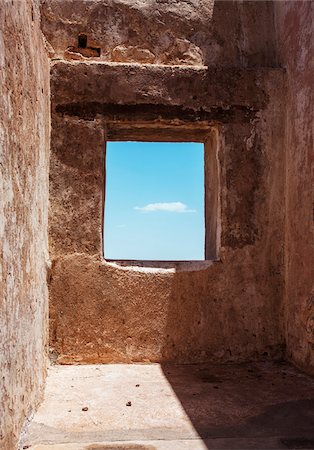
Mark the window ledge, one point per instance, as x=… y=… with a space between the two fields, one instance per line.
x=159 y=266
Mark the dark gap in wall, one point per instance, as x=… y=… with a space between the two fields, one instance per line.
x=96 y=50
x=89 y=110
x=89 y=52
x=82 y=41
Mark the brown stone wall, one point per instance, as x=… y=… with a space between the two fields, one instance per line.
x=229 y=310
x=189 y=32
x=24 y=144
x=294 y=23
x=258 y=181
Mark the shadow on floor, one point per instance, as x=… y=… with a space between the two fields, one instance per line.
x=253 y=402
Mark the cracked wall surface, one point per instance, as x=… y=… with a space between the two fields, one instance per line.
x=24 y=149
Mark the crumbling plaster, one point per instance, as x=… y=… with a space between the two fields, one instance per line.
x=251 y=303
x=249 y=109
x=228 y=311
x=24 y=149
x=188 y=32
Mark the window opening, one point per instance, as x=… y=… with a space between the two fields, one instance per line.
x=154 y=201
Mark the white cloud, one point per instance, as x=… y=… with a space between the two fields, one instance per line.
x=176 y=207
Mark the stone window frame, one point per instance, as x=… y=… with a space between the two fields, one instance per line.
x=167 y=131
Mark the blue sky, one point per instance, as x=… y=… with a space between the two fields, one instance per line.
x=154 y=204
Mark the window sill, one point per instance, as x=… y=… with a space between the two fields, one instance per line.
x=159 y=266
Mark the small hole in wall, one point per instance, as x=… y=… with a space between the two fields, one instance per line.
x=82 y=41
x=86 y=51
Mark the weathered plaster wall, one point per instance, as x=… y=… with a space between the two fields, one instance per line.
x=228 y=311
x=189 y=32
x=250 y=111
x=294 y=23
x=24 y=144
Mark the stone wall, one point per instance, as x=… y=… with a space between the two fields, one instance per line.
x=184 y=32
x=24 y=148
x=153 y=63
x=294 y=23
x=228 y=310
x=257 y=297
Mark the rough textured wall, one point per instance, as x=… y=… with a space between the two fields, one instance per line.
x=228 y=311
x=294 y=22
x=185 y=32
x=24 y=145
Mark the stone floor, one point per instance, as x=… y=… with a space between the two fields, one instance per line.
x=174 y=407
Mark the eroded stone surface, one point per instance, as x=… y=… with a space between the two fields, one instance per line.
x=251 y=303
x=132 y=54
x=24 y=149
x=231 y=309
x=189 y=32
